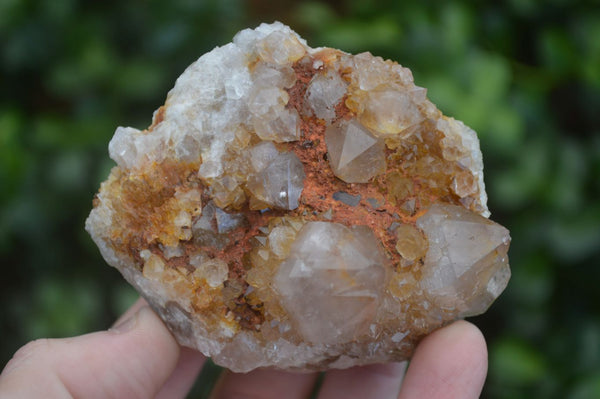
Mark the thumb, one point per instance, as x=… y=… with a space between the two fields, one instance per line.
x=131 y=360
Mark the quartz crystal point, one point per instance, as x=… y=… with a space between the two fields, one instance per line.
x=355 y=155
x=300 y=208
x=332 y=281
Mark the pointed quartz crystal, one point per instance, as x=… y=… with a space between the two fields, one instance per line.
x=271 y=120
x=212 y=227
x=332 y=281
x=324 y=92
x=278 y=178
x=466 y=266
x=389 y=111
x=354 y=154
x=280 y=129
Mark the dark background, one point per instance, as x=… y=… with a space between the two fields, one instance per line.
x=524 y=74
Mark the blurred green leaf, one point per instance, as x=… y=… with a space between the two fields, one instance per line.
x=139 y=80
x=90 y=69
x=557 y=51
x=313 y=15
x=62 y=308
x=68 y=173
x=123 y=297
x=586 y=388
x=9 y=9
x=575 y=237
x=355 y=36
x=521 y=180
x=586 y=350
x=457 y=24
x=566 y=187
x=532 y=282
x=12 y=157
x=515 y=363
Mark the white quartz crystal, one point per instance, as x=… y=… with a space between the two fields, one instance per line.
x=324 y=93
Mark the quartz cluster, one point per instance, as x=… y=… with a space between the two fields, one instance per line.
x=300 y=208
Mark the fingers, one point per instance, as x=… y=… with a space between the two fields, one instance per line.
x=132 y=360
x=264 y=384
x=373 y=381
x=450 y=363
x=139 y=358
x=181 y=380
x=133 y=309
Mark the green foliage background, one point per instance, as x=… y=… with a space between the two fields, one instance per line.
x=525 y=74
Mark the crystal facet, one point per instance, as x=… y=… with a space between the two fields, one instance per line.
x=300 y=208
x=354 y=154
x=387 y=111
x=278 y=181
x=332 y=281
x=324 y=93
x=466 y=264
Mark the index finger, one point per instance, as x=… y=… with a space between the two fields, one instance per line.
x=449 y=363
x=134 y=359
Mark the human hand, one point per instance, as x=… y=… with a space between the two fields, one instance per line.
x=139 y=358
x=449 y=363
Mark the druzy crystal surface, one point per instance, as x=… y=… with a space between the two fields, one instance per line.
x=300 y=208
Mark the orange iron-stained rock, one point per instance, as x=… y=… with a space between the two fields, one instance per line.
x=300 y=208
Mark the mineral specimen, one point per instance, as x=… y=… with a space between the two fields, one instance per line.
x=300 y=208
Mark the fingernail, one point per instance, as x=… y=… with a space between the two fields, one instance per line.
x=128 y=324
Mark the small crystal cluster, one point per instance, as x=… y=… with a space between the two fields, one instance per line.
x=300 y=208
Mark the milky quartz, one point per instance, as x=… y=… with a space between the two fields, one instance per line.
x=300 y=208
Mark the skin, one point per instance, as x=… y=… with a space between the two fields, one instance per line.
x=139 y=358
